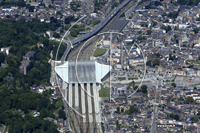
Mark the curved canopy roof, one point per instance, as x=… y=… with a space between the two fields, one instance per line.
x=86 y=71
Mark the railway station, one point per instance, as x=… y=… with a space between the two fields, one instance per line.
x=80 y=81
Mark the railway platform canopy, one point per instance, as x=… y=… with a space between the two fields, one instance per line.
x=82 y=71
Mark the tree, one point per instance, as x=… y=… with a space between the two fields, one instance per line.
x=135 y=87
x=149 y=32
x=58 y=13
x=122 y=15
x=118 y=110
x=2 y=57
x=69 y=19
x=59 y=104
x=181 y=99
x=74 y=5
x=171 y=57
x=196 y=30
x=176 y=117
x=132 y=110
x=194 y=119
x=157 y=54
x=144 y=88
x=131 y=84
x=167 y=28
x=189 y=100
x=115 y=4
x=56 y=35
x=156 y=62
x=61 y=114
x=122 y=110
x=188 y=2
x=43 y=113
x=148 y=63
x=173 y=84
x=118 y=125
x=154 y=23
x=73 y=33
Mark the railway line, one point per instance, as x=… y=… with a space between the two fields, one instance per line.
x=100 y=27
x=89 y=47
x=85 y=104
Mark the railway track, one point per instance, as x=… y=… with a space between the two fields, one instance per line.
x=88 y=49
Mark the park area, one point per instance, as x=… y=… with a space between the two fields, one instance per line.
x=99 y=52
x=104 y=92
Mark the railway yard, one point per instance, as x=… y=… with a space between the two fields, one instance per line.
x=79 y=100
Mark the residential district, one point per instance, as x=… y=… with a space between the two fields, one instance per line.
x=154 y=84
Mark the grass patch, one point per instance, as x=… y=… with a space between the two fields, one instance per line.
x=104 y=92
x=108 y=12
x=193 y=61
x=132 y=78
x=195 y=84
x=99 y=52
x=120 y=79
x=71 y=37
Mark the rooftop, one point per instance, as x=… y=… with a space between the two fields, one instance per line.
x=86 y=71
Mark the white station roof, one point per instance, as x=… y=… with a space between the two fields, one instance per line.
x=86 y=71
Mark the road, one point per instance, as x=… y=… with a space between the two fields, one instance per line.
x=155 y=109
x=3 y=130
x=153 y=125
x=69 y=47
x=128 y=13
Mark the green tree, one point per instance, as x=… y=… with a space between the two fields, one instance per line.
x=59 y=104
x=132 y=110
x=73 y=33
x=176 y=117
x=167 y=28
x=173 y=84
x=62 y=114
x=189 y=100
x=115 y=4
x=56 y=35
x=156 y=62
x=144 y=88
x=43 y=113
x=148 y=63
x=118 y=125
x=2 y=57
x=196 y=30
x=58 y=13
x=149 y=32
x=122 y=110
x=131 y=84
x=118 y=110
x=135 y=87
x=154 y=23
x=122 y=15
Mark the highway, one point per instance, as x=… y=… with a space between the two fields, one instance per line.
x=94 y=31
